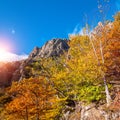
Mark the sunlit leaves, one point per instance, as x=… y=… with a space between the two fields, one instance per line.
x=32 y=98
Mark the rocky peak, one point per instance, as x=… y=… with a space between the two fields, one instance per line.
x=54 y=47
x=34 y=52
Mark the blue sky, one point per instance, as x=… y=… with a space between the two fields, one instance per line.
x=25 y=24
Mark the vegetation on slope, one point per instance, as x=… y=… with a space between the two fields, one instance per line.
x=81 y=74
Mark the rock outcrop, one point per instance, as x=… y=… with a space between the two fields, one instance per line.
x=90 y=112
x=54 y=47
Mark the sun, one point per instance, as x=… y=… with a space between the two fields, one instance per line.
x=3 y=54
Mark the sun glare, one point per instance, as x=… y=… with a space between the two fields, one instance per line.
x=3 y=54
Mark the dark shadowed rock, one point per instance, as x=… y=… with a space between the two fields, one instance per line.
x=6 y=72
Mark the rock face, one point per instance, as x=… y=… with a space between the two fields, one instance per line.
x=54 y=47
x=90 y=112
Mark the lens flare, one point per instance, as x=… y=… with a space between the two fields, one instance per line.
x=3 y=54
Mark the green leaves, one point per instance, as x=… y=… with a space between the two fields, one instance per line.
x=91 y=93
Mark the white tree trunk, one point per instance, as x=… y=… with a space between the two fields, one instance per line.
x=108 y=97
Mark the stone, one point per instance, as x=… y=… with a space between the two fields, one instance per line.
x=52 y=48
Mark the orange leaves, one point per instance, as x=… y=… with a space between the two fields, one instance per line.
x=117 y=16
x=34 y=94
x=110 y=39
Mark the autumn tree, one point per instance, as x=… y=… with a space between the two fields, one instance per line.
x=106 y=48
x=117 y=16
x=76 y=75
x=33 y=98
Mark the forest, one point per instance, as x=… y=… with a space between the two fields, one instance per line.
x=84 y=73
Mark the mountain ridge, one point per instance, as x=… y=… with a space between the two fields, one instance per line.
x=52 y=48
